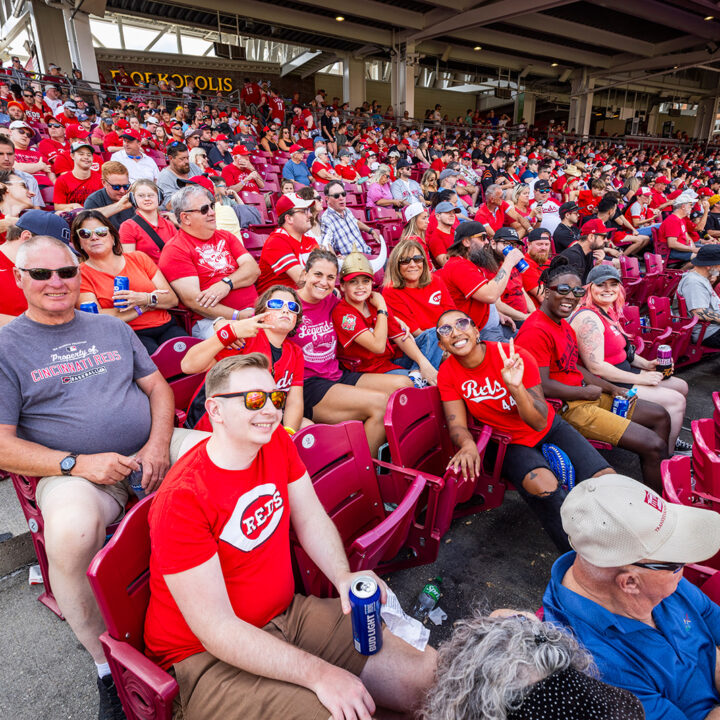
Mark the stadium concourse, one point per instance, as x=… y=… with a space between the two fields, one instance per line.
x=486 y=343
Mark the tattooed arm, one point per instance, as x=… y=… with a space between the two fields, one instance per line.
x=532 y=406
x=467 y=459
x=707 y=315
x=492 y=290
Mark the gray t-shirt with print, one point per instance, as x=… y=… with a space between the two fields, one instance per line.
x=699 y=294
x=72 y=386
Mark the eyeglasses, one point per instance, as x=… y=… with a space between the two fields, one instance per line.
x=55 y=125
x=257 y=399
x=278 y=304
x=87 y=233
x=338 y=195
x=124 y=186
x=671 y=567
x=417 y=259
x=578 y=292
x=64 y=273
x=203 y=209
x=461 y=324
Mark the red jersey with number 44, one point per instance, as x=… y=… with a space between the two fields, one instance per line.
x=486 y=396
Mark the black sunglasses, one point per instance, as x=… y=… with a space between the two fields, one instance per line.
x=64 y=273
x=338 y=195
x=257 y=399
x=203 y=209
x=461 y=324
x=417 y=259
x=124 y=186
x=578 y=292
x=671 y=567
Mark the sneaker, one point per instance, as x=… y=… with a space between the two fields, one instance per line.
x=683 y=448
x=110 y=705
x=418 y=380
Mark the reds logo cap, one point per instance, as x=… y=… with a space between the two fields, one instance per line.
x=613 y=520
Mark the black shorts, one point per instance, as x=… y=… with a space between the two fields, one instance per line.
x=521 y=459
x=315 y=388
x=627 y=367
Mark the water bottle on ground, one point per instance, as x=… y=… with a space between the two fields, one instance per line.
x=426 y=600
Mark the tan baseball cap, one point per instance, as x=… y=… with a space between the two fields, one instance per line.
x=613 y=520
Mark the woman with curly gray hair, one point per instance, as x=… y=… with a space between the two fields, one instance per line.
x=511 y=666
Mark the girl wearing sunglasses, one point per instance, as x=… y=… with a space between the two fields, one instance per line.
x=144 y=306
x=278 y=311
x=15 y=198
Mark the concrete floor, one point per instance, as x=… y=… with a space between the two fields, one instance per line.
x=496 y=559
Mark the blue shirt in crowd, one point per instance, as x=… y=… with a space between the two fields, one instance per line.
x=296 y=171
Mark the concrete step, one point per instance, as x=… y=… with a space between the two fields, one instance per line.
x=16 y=548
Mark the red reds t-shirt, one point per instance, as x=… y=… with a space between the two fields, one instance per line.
x=674 y=227
x=69 y=189
x=346 y=172
x=317 y=166
x=132 y=234
x=277 y=107
x=51 y=150
x=463 y=279
x=30 y=155
x=437 y=165
x=553 y=346
x=209 y=261
x=513 y=295
x=587 y=202
x=486 y=396
x=531 y=278
x=35 y=114
x=419 y=308
x=243 y=517
x=12 y=298
x=281 y=252
x=251 y=94
x=111 y=139
x=494 y=219
x=232 y=175
x=349 y=323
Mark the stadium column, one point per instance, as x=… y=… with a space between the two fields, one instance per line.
x=51 y=44
x=79 y=39
x=524 y=108
x=353 y=81
x=581 y=101
x=402 y=79
x=705 y=119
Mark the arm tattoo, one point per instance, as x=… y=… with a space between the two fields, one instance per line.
x=707 y=315
x=590 y=339
x=539 y=402
x=500 y=275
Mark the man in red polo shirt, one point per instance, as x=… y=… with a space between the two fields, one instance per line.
x=209 y=269
x=492 y=212
x=284 y=253
x=53 y=146
x=241 y=175
x=29 y=159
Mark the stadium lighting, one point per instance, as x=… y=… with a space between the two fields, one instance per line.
x=477 y=47
x=339 y=18
x=710 y=17
x=553 y=64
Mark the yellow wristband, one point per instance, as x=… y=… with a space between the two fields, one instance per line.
x=290 y=431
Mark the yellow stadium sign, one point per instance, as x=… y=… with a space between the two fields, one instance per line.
x=203 y=83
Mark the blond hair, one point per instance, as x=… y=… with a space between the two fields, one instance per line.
x=218 y=379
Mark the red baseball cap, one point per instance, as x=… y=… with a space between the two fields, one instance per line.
x=203 y=181
x=596 y=227
x=222 y=137
x=288 y=202
x=131 y=134
x=240 y=150
x=705 y=192
x=76 y=131
x=122 y=124
x=296 y=148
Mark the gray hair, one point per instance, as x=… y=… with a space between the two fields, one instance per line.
x=40 y=241
x=381 y=170
x=490 y=664
x=492 y=189
x=181 y=199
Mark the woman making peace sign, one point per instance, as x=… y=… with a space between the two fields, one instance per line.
x=502 y=388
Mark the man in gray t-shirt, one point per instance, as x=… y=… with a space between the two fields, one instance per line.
x=179 y=168
x=83 y=405
x=700 y=296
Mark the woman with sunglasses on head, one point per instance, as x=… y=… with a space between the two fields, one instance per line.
x=500 y=385
x=588 y=399
x=15 y=199
x=144 y=306
x=416 y=296
x=278 y=312
x=331 y=394
x=607 y=351
x=148 y=230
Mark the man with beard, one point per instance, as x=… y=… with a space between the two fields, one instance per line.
x=475 y=281
x=493 y=174
x=179 y=168
x=568 y=231
x=537 y=256
x=588 y=249
x=514 y=301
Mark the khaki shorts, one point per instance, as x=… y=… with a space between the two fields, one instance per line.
x=182 y=440
x=210 y=688
x=595 y=420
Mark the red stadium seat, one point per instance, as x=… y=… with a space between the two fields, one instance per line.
x=46 y=192
x=695 y=351
x=669 y=278
x=170 y=354
x=359 y=213
x=119 y=577
x=383 y=213
x=646 y=339
x=637 y=288
x=344 y=477
x=681 y=328
x=253 y=240
x=705 y=457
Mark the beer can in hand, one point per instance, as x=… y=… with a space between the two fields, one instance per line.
x=121 y=283
x=365 y=611
x=665 y=360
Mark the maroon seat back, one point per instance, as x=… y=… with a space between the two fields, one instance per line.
x=170 y=354
x=705 y=458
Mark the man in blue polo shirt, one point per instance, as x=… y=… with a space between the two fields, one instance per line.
x=623 y=594
x=295 y=169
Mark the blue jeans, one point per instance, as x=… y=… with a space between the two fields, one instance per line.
x=428 y=346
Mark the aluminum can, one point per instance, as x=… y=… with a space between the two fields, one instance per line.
x=121 y=283
x=644 y=323
x=620 y=406
x=522 y=266
x=366 y=622
x=135 y=481
x=89 y=307
x=665 y=360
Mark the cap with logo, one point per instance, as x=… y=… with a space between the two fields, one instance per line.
x=541 y=186
x=79 y=144
x=130 y=134
x=19 y=125
x=40 y=222
x=467 y=229
x=289 y=202
x=507 y=235
x=596 y=227
x=202 y=180
x=567 y=207
x=539 y=233
x=239 y=150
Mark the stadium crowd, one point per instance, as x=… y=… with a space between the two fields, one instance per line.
x=324 y=260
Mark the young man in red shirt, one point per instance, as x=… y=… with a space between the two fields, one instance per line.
x=673 y=230
x=440 y=235
x=284 y=253
x=500 y=385
x=73 y=187
x=56 y=144
x=29 y=159
x=241 y=175
x=587 y=399
x=588 y=199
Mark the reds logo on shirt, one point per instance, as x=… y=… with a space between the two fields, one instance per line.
x=256 y=516
x=487 y=391
x=285 y=382
x=348 y=322
x=435 y=298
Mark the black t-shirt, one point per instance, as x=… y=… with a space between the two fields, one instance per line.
x=579 y=260
x=565 y=236
x=215 y=157
x=713 y=221
x=100 y=199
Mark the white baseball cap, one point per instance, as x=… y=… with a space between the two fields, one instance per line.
x=613 y=520
x=413 y=210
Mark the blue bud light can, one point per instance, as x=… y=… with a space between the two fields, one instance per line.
x=620 y=406
x=644 y=323
x=522 y=266
x=89 y=307
x=135 y=481
x=121 y=283
x=366 y=622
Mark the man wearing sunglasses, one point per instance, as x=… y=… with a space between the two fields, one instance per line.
x=340 y=228
x=588 y=250
x=83 y=406
x=55 y=145
x=112 y=199
x=623 y=594
x=179 y=169
x=28 y=159
x=222 y=605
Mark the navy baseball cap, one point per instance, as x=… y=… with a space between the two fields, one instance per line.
x=41 y=222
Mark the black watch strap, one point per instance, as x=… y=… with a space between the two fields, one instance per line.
x=229 y=282
x=67 y=470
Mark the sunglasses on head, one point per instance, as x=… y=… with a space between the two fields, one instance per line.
x=564 y=289
x=417 y=259
x=257 y=399
x=87 y=233
x=64 y=273
x=278 y=304
x=461 y=324
x=671 y=567
x=338 y=195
